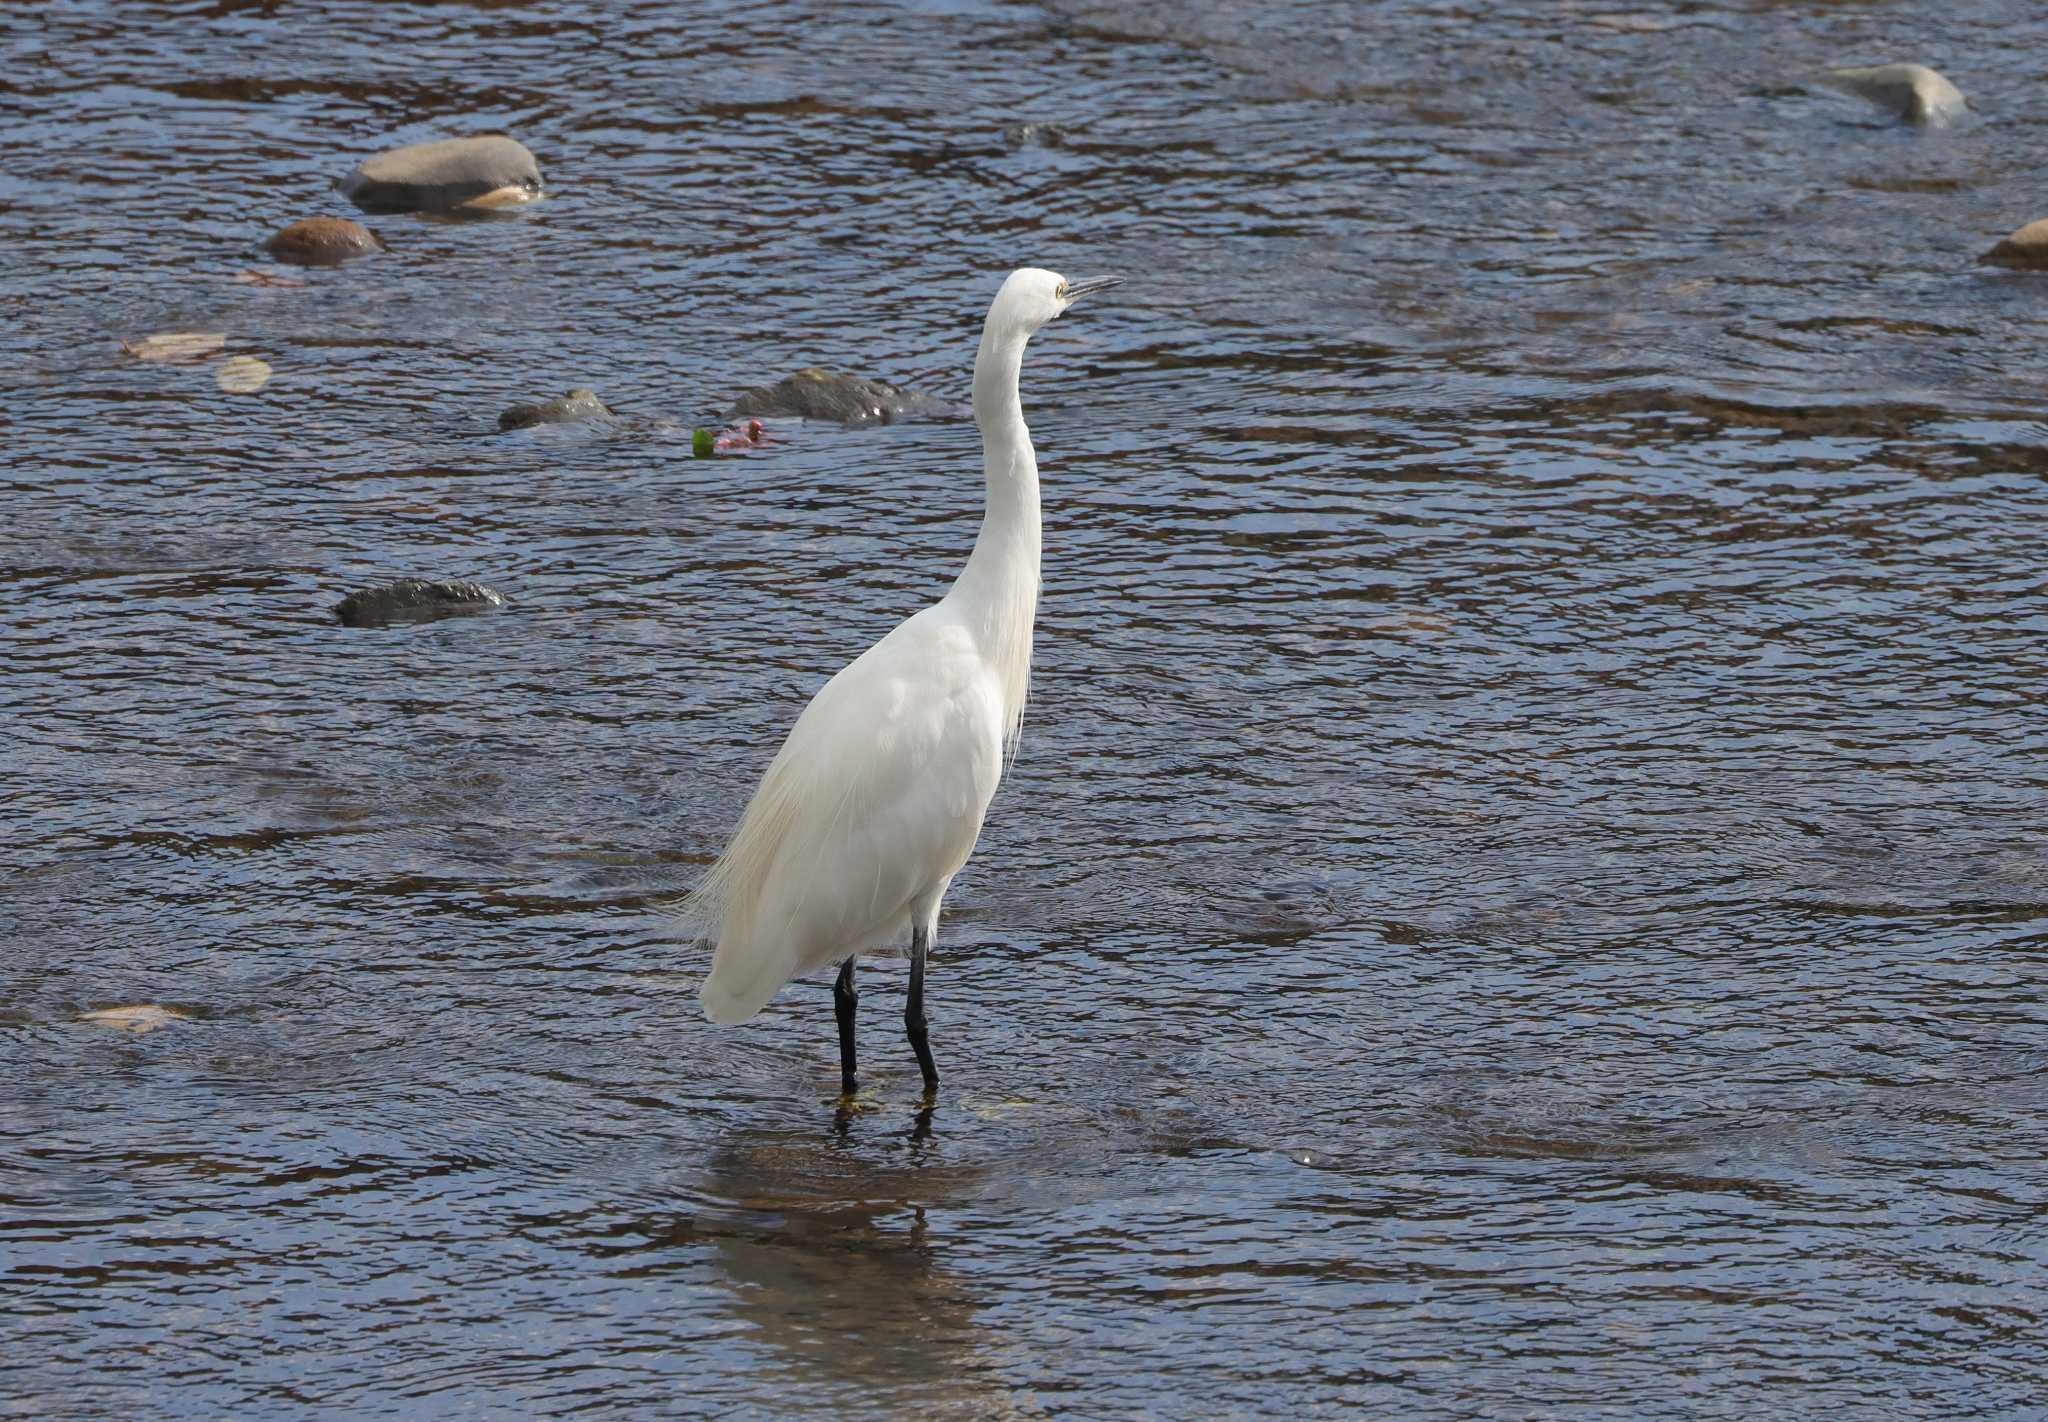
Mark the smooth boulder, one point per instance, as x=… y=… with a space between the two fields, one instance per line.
x=815 y=394
x=456 y=174
x=322 y=242
x=2026 y=250
x=566 y=409
x=1911 y=93
x=414 y=600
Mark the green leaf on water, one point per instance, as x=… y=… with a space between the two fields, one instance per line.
x=700 y=444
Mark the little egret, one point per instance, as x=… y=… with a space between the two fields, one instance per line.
x=875 y=799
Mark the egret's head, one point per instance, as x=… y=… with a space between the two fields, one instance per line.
x=1032 y=296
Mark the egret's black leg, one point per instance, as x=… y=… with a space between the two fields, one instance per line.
x=913 y=1010
x=844 y=1000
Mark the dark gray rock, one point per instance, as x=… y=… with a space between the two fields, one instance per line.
x=815 y=394
x=1035 y=135
x=468 y=174
x=414 y=600
x=578 y=404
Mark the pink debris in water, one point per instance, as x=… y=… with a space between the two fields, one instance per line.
x=747 y=436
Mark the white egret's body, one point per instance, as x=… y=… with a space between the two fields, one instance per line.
x=870 y=808
x=877 y=796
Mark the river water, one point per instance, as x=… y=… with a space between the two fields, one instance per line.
x=1525 y=893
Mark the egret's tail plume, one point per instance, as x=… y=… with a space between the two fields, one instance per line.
x=744 y=974
x=726 y=1007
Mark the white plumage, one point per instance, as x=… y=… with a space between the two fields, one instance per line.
x=878 y=793
x=871 y=806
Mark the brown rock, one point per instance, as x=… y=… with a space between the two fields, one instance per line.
x=2026 y=250
x=322 y=242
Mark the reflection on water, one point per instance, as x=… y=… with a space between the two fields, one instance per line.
x=846 y=1295
x=1524 y=887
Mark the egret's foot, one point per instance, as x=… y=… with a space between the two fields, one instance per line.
x=845 y=1108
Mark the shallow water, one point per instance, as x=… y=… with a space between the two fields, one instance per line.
x=1524 y=892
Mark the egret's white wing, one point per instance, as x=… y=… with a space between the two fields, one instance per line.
x=874 y=800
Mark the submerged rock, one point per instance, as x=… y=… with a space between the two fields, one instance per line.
x=242 y=375
x=470 y=174
x=322 y=242
x=414 y=600
x=815 y=394
x=176 y=346
x=2026 y=250
x=578 y=404
x=1911 y=93
x=142 y=1017
x=1034 y=135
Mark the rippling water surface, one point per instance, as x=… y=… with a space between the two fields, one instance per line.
x=1524 y=892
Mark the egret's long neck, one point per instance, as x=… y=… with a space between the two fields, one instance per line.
x=998 y=589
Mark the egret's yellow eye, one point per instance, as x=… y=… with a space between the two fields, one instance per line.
x=1061 y=293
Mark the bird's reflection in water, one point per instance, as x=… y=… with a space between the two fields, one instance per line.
x=847 y=1111
x=838 y=1268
